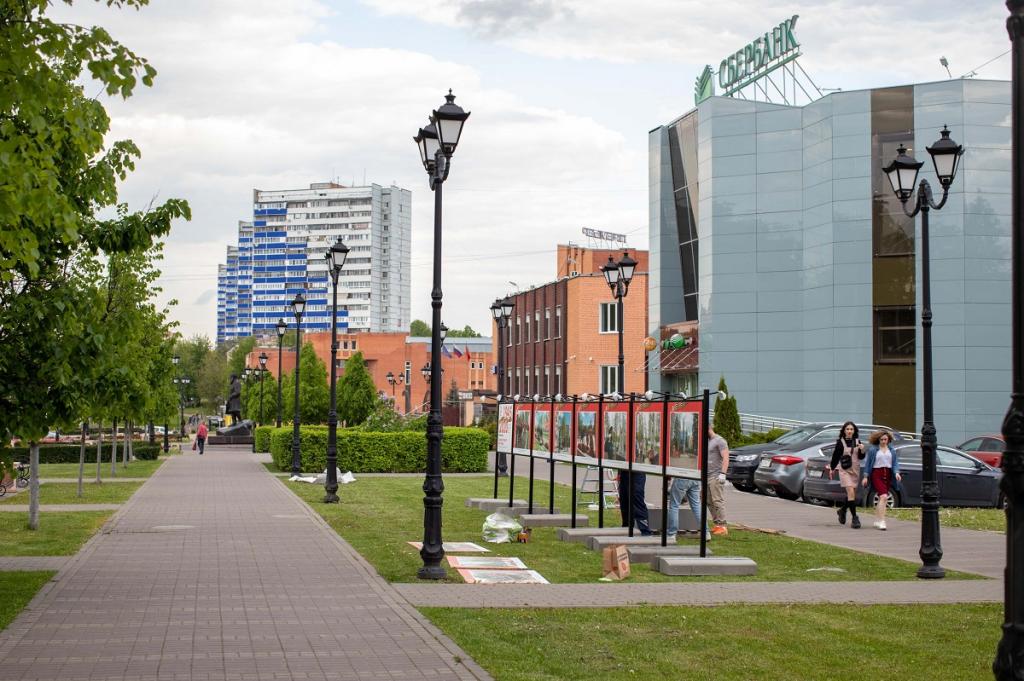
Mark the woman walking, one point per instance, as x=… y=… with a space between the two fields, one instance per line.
x=881 y=473
x=846 y=458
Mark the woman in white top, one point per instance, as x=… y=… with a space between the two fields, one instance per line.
x=881 y=472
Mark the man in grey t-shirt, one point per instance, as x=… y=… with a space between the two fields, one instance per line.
x=718 y=466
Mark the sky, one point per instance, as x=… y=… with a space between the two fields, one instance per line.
x=276 y=94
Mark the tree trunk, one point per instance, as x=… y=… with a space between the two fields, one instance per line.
x=33 y=486
x=99 y=450
x=128 y=444
x=113 y=454
x=81 y=459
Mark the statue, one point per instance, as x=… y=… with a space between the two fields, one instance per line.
x=234 y=405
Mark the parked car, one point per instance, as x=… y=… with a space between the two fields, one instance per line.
x=780 y=469
x=54 y=437
x=988 y=448
x=963 y=479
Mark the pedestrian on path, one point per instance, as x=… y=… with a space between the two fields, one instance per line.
x=201 y=436
x=881 y=473
x=846 y=458
x=718 y=466
x=683 y=487
x=631 y=491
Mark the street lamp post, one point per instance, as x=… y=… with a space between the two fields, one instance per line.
x=263 y=370
x=281 y=327
x=437 y=143
x=395 y=380
x=501 y=310
x=902 y=174
x=298 y=307
x=335 y=257
x=1010 y=654
x=167 y=426
x=619 y=275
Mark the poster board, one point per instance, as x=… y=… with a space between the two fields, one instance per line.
x=602 y=430
x=506 y=413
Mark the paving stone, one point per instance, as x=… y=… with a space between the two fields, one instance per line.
x=599 y=543
x=649 y=554
x=582 y=535
x=552 y=520
x=718 y=565
x=516 y=511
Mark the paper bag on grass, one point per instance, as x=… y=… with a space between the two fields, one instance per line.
x=616 y=562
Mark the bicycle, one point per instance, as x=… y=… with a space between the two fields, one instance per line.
x=23 y=470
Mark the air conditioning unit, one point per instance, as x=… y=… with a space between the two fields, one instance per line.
x=574 y=273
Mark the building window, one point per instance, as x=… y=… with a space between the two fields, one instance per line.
x=609 y=318
x=558 y=380
x=547 y=381
x=528 y=337
x=609 y=378
x=508 y=333
x=558 y=321
x=895 y=334
x=508 y=384
x=519 y=383
x=537 y=387
x=547 y=323
x=536 y=324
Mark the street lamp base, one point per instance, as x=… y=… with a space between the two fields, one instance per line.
x=331 y=498
x=931 y=572
x=432 y=572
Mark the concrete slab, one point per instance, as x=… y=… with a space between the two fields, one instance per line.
x=583 y=534
x=687 y=521
x=552 y=520
x=650 y=554
x=599 y=543
x=490 y=504
x=517 y=511
x=719 y=565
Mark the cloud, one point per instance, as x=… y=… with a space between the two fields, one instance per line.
x=504 y=17
x=205 y=297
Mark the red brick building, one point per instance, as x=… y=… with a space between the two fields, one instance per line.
x=563 y=335
x=468 y=363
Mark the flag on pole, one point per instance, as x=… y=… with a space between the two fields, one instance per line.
x=467 y=354
x=456 y=352
x=444 y=351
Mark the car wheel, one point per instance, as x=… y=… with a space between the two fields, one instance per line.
x=745 y=488
x=893 y=500
x=1001 y=501
x=785 y=494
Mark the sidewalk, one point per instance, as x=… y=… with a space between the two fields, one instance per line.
x=214 y=570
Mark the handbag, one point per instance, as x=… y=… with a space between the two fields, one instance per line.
x=846 y=461
x=195 y=445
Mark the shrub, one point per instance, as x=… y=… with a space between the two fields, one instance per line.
x=417 y=423
x=384 y=419
x=727 y=416
x=463 y=450
x=759 y=438
x=69 y=453
x=262 y=436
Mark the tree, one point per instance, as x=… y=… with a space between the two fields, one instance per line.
x=727 y=415
x=466 y=332
x=193 y=353
x=58 y=176
x=419 y=328
x=251 y=400
x=212 y=380
x=236 y=361
x=357 y=395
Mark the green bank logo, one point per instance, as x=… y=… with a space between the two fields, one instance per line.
x=755 y=60
x=705 y=86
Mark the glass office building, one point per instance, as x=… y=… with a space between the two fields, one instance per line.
x=773 y=228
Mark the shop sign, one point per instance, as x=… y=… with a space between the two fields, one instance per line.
x=753 y=61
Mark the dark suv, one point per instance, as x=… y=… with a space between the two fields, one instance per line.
x=743 y=461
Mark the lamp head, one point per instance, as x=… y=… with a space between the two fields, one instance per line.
x=426 y=140
x=175 y=360
x=496 y=310
x=448 y=121
x=902 y=174
x=263 y=360
x=281 y=327
x=946 y=157
x=298 y=306
x=611 y=272
x=336 y=256
x=626 y=268
x=507 y=306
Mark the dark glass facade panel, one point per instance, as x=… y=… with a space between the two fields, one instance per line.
x=895 y=335
x=682 y=140
x=892 y=124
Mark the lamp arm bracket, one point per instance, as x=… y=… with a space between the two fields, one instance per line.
x=926 y=189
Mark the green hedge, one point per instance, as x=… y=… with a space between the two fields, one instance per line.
x=463 y=450
x=69 y=453
x=262 y=436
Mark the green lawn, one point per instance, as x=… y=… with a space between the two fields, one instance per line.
x=730 y=643
x=993 y=519
x=18 y=588
x=59 y=534
x=135 y=469
x=379 y=515
x=67 y=493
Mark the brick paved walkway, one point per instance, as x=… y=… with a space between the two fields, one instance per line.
x=214 y=570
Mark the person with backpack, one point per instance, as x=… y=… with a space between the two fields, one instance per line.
x=201 y=436
x=846 y=458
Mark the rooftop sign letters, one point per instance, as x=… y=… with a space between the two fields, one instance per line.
x=755 y=60
x=604 y=236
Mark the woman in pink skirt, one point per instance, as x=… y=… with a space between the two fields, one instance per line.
x=881 y=472
x=846 y=458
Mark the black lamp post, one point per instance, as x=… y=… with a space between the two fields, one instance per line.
x=298 y=307
x=902 y=174
x=263 y=370
x=1010 y=655
x=395 y=380
x=437 y=143
x=335 y=257
x=167 y=427
x=281 y=327
x=501 y=310
x=182 y=389
x=619 y=275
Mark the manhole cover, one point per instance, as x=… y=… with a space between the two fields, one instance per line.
x=172 y=528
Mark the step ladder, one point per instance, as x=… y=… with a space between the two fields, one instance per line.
x=590 y=488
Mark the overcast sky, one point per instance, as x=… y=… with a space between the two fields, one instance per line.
x=275 y=94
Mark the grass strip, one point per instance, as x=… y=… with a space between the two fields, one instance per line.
x=18 y=588
x=59 y=534
x=992 y=519
x=67 y=493
x=378 y=516
x=135 y=469
x=729 y=643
